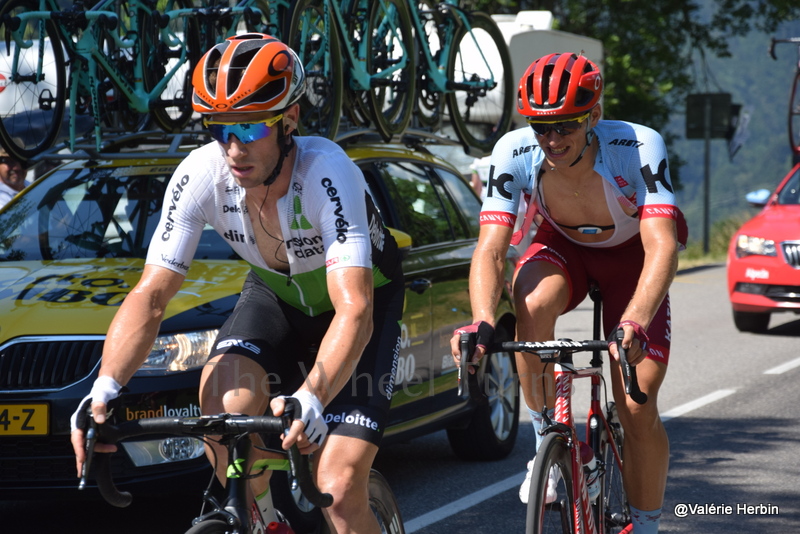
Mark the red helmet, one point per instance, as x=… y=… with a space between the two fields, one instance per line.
x=249 y=72
x=559 y=84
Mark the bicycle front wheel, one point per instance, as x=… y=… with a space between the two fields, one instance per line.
x=390 y=64
x=481 y=80
x=384 y=505
x=552 y=462
x=211 y=526
x=611 y=508
x=32 y=83
x=313 y=36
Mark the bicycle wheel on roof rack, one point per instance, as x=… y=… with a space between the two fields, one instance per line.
x=391 y=67
x=482 y=82
x=115 y=110
x=794 y=115
x=429 y=101
x=172 y=108
x=312 y=35
x=32 y=83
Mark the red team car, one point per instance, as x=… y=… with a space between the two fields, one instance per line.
x=764 y=257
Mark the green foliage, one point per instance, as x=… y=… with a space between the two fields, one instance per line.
x=719 y=237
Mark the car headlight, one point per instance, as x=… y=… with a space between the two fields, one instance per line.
x=180 y=352
x=748 y=246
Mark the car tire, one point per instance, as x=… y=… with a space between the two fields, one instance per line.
x=492 y=431
x=750 y=321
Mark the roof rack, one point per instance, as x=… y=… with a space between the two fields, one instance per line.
x=138 y=145
x=411 y=137
x=157 y=143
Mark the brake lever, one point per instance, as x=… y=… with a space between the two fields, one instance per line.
x=467 y=346
x=629 y=372
x=91 y=439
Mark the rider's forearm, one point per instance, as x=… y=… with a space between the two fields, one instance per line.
x=339 y=353
x=487 y=279
x=660 y=266
x=351 y=292
x=130 y=338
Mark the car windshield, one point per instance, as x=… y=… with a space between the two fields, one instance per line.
x=93 y=213
x=790 y=194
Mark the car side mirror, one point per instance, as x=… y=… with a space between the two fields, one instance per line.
x=403 y=241
x=758 y=199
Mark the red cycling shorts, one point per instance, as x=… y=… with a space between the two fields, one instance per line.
x=614 y=270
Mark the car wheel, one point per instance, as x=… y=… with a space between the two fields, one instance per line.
x=751 y=322
x=492 y=431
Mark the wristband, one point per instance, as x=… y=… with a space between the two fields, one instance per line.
x=638 y=333
x=484 y=333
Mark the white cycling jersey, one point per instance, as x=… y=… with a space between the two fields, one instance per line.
x=325 y=221
x=632 y=159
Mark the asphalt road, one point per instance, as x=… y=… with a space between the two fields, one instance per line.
x=732 y=411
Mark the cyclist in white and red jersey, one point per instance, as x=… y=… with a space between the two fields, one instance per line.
x=323 y=300
x=603 y=210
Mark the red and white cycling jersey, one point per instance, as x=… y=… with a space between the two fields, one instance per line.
x=632 y=159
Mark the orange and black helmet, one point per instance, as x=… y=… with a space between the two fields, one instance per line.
x=559 y=84
x=247 y=73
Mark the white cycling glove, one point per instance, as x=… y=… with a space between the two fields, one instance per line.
x=311 y=416
x=104 y=389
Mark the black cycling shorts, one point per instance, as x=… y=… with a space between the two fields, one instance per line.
x=283 y=340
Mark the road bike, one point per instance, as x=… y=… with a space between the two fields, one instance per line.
x=119 y=61
x=232 y=513
x=370 y=41
x=559 y=455
x=465 y=75
x=794 y=96
x=369 y=58
x=125 y=62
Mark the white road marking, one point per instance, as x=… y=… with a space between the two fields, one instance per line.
x=463 y=503
x=473 y=499
x=783 y=368
x=695 y=404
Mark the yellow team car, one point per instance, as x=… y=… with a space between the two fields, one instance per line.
x=72 y=247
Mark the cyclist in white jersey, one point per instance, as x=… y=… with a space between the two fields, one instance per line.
x=601 y=201
x=322 y=304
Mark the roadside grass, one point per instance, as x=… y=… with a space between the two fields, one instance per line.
x=719 y=237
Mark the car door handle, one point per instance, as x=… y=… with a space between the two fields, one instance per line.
x=420 y=285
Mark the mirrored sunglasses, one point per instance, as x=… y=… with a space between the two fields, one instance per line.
x=560 y=127
x=246 y=132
